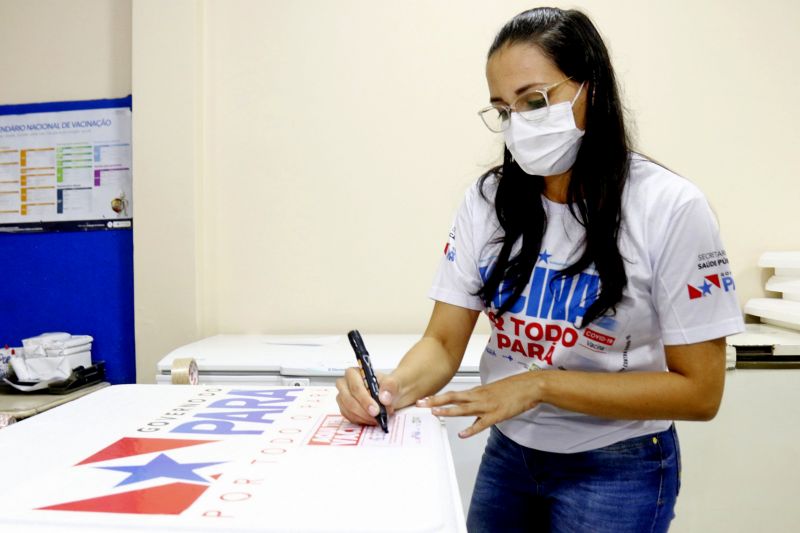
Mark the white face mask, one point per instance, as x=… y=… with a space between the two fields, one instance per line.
x=548 y=146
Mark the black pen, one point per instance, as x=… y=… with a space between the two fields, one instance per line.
x=369 y=375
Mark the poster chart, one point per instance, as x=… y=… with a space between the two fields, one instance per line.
x=208 y=458
x=66 y=166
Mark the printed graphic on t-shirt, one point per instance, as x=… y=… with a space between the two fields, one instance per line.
x=711 y=259
x=450 y=246
x=543 y=326
x=549 y=296
x=671 y=250
x=710 y=285
x=706 y=284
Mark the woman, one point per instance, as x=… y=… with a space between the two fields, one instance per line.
x=606 y=284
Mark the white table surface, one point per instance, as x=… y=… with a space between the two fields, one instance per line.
x=183 y=458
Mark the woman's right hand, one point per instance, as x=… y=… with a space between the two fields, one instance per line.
x=355 y=402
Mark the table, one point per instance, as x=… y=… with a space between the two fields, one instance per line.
x=21 y=405
x=214 y=458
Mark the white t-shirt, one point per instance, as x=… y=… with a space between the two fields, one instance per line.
x=679 y=291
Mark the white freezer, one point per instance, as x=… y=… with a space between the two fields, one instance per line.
x=281 y=359
x=765 y=338
x=302 y=360
x=765 y=346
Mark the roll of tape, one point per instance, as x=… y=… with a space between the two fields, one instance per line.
x=6 y=420
x=184 y=372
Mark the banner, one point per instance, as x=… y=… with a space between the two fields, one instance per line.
x=66 y=166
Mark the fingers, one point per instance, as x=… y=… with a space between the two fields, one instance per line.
x=479 y=425
x=490 y=404
x=354 y=400
x=389 y=390
x=484 y=418
x=454 y=403
x=464 y=403
x=451 y=397
x=464 y=409
x=355 y=383
x=352 y=416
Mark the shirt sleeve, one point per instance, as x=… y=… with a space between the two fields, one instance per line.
x=693 y=289
x=457 y=278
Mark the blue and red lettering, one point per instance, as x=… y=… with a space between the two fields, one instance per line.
x=549 y=296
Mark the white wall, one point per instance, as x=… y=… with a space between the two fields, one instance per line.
x=168 y=177
x=298 y=163
x=54 y=50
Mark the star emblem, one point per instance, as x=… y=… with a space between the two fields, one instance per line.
x=161 y=466
x=544 y=256
x=706 y=288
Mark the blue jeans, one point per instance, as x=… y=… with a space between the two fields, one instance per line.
x=628 y=486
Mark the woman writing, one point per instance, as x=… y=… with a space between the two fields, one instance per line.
x=608 y=319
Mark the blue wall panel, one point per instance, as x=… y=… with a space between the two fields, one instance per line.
x=78 y=282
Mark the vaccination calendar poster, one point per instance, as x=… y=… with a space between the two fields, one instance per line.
x=66 y=166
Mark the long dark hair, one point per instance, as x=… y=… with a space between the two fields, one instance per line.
x=572 y=43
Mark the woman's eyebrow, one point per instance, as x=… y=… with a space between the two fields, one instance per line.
x=526 y=87
x=497 y=99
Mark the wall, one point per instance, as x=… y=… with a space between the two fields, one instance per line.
x=167 y=133
x=707 y=84
x=298 y=164
x=336 y=139
x=54 y=50
x=80 y=282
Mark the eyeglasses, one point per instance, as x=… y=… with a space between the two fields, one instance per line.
x=497 y=117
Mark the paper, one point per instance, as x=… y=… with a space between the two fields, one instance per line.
x=41 y=368
x=29 y=386
x=45 y=338
x=56 y=344
x=54 y=352
x=66 y=166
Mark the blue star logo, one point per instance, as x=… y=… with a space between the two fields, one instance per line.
x=544 y=256
x=706 y=288
x=161 y=466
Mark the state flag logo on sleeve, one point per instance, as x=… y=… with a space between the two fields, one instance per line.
x=711 y=285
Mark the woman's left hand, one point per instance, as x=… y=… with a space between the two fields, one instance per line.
x=490 y=403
